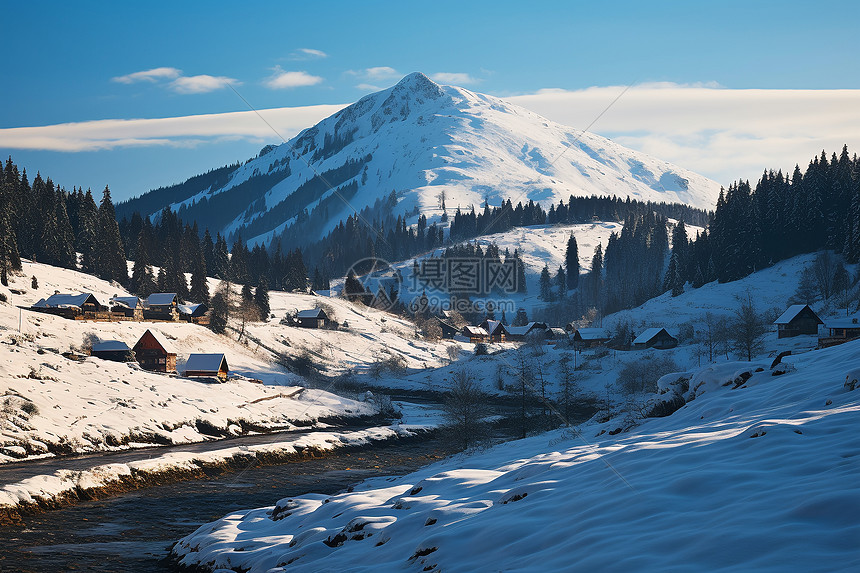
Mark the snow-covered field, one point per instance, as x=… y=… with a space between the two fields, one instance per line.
x=53 y=404
x=759 y=475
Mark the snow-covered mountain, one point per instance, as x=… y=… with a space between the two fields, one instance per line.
x=423 y=140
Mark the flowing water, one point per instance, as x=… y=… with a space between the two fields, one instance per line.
x=133 y=532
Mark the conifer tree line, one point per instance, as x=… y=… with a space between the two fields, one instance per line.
x=783 y=216
x=43 y=222
x=470 y=224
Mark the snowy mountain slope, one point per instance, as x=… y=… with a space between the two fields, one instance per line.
x=423 y=140
x=98 y=405
x=759 y=477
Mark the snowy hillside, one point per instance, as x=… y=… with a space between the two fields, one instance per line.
x=53 y=404
x=753 y=476
x=423 y=140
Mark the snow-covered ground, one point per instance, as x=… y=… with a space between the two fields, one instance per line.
x=54 y=404
x=753 y=476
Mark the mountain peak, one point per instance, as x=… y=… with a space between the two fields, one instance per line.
x=419 y=84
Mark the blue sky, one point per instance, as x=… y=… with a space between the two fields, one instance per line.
x=81 y=62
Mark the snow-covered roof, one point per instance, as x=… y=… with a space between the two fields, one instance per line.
x=189 y=309
x=475 y=331
x=790 y=314
x=493 y=326
x=111 y=346
x=595 y=333
x=131 y=302
x=518 y=330
x=66 y=300
x=162 y=341
x=205 y=362
x=311 y=313
x=161 y=298
x=648 y=335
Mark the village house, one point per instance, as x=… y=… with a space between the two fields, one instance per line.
x=796 y=320
x=840 y=330
x=475 y=334
x=161 y=306
x=520 y=333
x=655 y=338
x=194 y=313
x=114 y=350
x=83 y=305
x=590 y=337
x=154 y=353
x=495 y=330
x=314 y=318
x=448 y=330
x=126 y=306
x=207 y=366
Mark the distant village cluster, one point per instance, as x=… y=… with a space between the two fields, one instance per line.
x=152 y=351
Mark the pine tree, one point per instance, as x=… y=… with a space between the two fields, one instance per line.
x=545 y=284
x=199 y=292
x=85 y=240
x=261 y=297
x=142 y=282
x=561 y=281
x=110 y=263
x=571 y=261
x=220 y=308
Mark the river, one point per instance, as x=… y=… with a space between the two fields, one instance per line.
x=133 y=532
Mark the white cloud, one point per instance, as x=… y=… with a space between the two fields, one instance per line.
x=150 y=76
x=287 y=80
x=201 y=84
x=173 y=132
x=722 y=133
x=454 y=78
x=308 y=54
x=368 y=87
x=375 y=73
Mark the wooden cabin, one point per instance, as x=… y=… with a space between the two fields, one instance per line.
x=840 y=330
x=796 y=320
x=313 y=318
x=530 y=330
x=69 y=305
x=656 y=337
x=495 y=330
x=154 y=353
x=590 y=337
x=475 y=334
x=114 y=350
x=448 y=330
x=126 y=307
x=161 y=306
x=194 y=313
x=207 y=366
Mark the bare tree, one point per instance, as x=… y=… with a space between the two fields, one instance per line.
x=748 y=329
x=824 y=269
x=568 y=387
x=453 y=352
x=465 y=410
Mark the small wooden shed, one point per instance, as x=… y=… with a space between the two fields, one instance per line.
x=114 y=350
x=313 y=318
x=207 y=366
x=796 y=320
x=154 y=353
x=448 y=329
x=656 y=337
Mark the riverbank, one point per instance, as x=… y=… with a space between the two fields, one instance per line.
x=67 y=487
